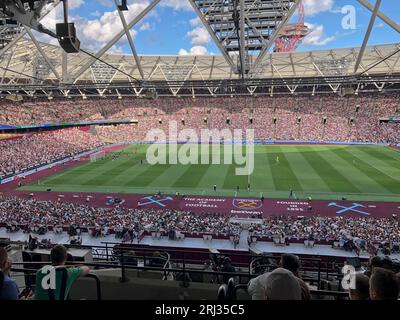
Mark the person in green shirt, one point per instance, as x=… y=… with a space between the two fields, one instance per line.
x=58 y=257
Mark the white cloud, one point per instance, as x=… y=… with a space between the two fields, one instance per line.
x=145 y=26
x=199 y=36
x=96 y=13
x=194 y=51
x=104 y=29
x=313 y=7
x=116 y=50
x=195 y=22
x=106 y=3
x=177 y=4
x=75 y=4
x=317 y=36
x=95 y=33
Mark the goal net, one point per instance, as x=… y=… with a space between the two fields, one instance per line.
x=97 y=156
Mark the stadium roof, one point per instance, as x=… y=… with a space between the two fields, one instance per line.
x=24 y=58
x=25 y=61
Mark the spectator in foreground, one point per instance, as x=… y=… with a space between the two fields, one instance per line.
x=58 y=257
x=227 y=267
x=383 y=285
x=374 y=262
x=291 y=262
x=280 y=284
x=8 y=288
x=361 y=290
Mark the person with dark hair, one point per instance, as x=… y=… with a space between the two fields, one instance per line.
x=58 y=257
x=361 y=290
x=157 y=260
x=291 y=262
x=373 y=262
x=383 y=285
x=227 y=267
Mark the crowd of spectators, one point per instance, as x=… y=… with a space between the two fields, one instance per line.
x=366 y=234
x=31 y=214
x=293 y=117
x=31 y=150
x=378 y=282
x=281 y=282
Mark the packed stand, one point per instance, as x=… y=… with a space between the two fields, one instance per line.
x=286 y=117
x=32 y=216
x=31 y=150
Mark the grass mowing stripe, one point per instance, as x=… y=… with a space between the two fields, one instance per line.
x=349 y=170
x=192 y=176
x=86 y=170
x=214 y=175
x=392 y=152
x=58 y=176
x=381 y=155
x=381 y=182
x=262 y=176
x=282 y=173
x=72 y=173
x=378 y=163
x=113 y=169
x=232 y=180
x=328 y=173
x=147 y=176
x=307 y=176
x=169 y=176
x=131 y=171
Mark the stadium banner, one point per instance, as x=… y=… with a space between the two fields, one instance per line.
x=246 y=207
x=67 y=124
x=263 y=142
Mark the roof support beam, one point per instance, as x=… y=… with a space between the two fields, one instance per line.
x=243 y=51
x=385 y=18
x=333 y=87
x=5 y=70
x=41 y=51
x=116 y=38
x=274 y=35
x=367 y=35
x=23 y=33
x=212 y=34
x=130 y=40
x=64 y=62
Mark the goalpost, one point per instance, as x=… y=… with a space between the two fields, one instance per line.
x=97 y=156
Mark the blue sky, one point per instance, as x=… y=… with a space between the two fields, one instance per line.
x=172 y=28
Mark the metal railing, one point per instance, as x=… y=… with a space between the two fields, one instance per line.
x=32 y=272
x=229 y=292
x=117 y=255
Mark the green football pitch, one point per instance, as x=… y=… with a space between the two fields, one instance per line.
x=316 y=171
